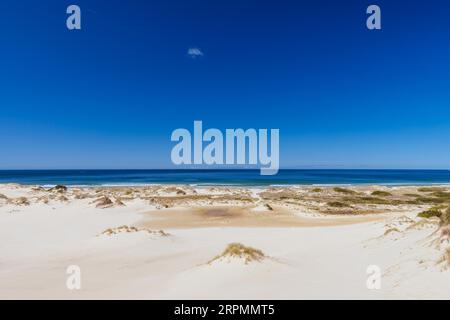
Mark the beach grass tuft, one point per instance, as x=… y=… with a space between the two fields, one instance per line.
x=430 y=189
x=432 y=212
x=343 y=190
x=379 y=193
x=369 y=200
x=338 y=204
x=445 y=217
x=413 y=195
x=426 y=200
x=103 y=202
x=238 y=250
x=21 y=201
x=58 y=188
x=441 y=195
x=391 y=230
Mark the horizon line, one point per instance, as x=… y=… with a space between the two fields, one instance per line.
x=220 y=169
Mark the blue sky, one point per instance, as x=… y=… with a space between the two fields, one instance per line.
x=109 y=95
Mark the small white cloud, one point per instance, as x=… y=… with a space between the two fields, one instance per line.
x=194 y=52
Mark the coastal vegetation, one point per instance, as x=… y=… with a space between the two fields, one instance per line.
x=445 y=217
x=430 y=189
x=380 y=193
x=238 y=250
x=338 y=204
x=344 y=190
x=356 y=200
x=432 y=212
x=441 y=212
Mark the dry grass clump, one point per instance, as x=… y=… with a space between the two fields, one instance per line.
x=128 y=229
x=445 y=196
x=176 y=190
x=21 y=201
x=391 y=230
x=316 y=190
x=3 y=199
x=445 y=217
x=370 y=200
x=422 y=200
x=121 y=229
x=423 y=224
x=43 y=199
x=81 y=196
x=195 y=199
x=58 y=188
x=119 y=202
x=432 y=212
x=434 y=196
x=430 y=189
x=63 y=199
x=103 y=202
x=238 y=250
x=414 y=195
x=338 y=204
x=426 y=200
x=279 y=194
x=380 y=193
x=162 y=233
x=438 y=211
x=344 y=190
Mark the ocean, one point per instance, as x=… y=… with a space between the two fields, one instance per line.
x=224 y=177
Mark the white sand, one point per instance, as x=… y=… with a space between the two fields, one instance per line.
x=38 y=243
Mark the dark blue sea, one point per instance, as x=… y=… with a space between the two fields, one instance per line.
x=224 y=177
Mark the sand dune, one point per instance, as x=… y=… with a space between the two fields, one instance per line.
x=219 y=242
